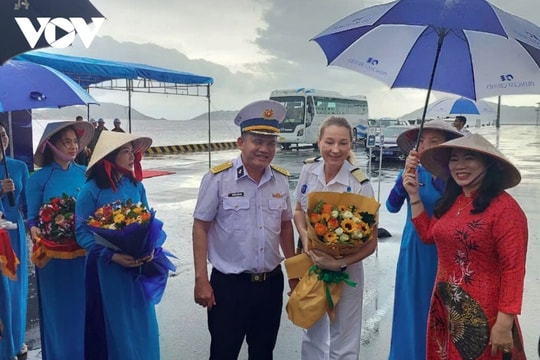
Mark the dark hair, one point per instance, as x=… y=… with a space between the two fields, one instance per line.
x=462 y=119
x=491 y=187
x=48 y=155
x=98 y=172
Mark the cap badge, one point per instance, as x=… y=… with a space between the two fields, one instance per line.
x=268 y=113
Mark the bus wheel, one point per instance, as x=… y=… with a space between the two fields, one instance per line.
x=354 y=134
x=316 y=146
x=286 y=146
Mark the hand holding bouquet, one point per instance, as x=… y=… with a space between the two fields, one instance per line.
x=56 y=221
x=338 y=224
x=132 y=229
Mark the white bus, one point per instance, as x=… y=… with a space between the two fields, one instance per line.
x=307 y=108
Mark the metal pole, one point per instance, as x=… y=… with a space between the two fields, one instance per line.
x=11 y=196
x=498 y=120
x=209 y=129
x=130 y=84
x=10 y=134
x=442 y=33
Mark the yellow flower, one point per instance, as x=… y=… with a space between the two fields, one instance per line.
x=348 y=225
x=119 y=218
x=330 y=238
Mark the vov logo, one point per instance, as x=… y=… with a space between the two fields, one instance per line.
x=49 y=29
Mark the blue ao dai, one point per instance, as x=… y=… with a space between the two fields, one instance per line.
x=60 y=282
x=15 y=293
x=131 y=327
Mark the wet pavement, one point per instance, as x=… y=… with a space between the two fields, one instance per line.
x=182 y=323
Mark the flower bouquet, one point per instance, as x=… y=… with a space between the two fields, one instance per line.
x=338 y=224
x=130 y=228
x=56 y=220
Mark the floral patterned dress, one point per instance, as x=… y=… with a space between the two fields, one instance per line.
x=481 y=271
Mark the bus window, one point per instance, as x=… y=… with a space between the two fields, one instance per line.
x=310 y=111
x=295 y=111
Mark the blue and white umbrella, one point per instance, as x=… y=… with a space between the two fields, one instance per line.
x=459 y=106
x=26 y=85
x=465 y=47
x=478 y=49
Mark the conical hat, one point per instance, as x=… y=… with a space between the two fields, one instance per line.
x=407 y=139
x=435 y=160
x=84 y=130
x=109 y=141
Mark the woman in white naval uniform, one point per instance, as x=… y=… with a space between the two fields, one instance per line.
x=335 y=172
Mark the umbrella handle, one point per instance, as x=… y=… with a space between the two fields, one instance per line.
x=11 y=198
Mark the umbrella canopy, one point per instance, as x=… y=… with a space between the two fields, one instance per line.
x=25 y=85
x=465 y=47
x=459 y=106
x=13 y=41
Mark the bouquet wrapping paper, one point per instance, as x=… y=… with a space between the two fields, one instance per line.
x=338 y=224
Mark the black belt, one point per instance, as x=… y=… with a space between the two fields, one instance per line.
x=254 y=277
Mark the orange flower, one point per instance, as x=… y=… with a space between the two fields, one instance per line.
x=314 y=218
x=327 y=208
x=320 y=229
x=333 y=223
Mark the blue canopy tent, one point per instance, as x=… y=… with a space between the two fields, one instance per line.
x=126 y=76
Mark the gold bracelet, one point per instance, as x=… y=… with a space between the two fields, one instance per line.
x=416 y=202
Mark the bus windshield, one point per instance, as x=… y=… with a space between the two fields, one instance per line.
x=295 y=111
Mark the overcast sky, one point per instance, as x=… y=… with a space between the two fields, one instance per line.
x=249 y=47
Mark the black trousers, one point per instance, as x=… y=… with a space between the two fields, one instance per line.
x=245 y=309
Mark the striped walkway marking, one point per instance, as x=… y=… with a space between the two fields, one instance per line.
x=174 y=149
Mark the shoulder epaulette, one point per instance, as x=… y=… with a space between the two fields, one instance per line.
x=219 y=168
x=359 y=175
x=280 y=170
x=312 y=160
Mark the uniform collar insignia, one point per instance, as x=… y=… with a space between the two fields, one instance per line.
x=240 y=171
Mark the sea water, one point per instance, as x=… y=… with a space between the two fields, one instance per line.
x=167 y=132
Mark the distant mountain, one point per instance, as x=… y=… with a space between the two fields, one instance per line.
x=522 y=115
x=218 y=115
x=107 y=111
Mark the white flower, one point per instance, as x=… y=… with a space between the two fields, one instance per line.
x=344 y=238
x=347 y=214
x=338 y=231
x=335 y=214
